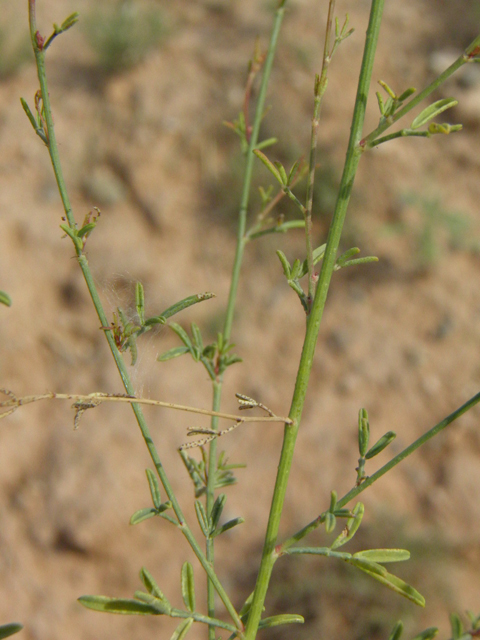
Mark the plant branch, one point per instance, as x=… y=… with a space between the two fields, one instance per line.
x=467 y=56
x=313 y=322
x=369 y=480
x=37 y=43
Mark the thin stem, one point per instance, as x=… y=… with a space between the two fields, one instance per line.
x=353 y=493
x=403 y=133
x=210 y=499
x=313 y=322
x=319 y=90
x=466 y=57
x=242 y=240
x=55 y=158
x=242 y=215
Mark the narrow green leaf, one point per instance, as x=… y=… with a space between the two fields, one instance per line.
x=430 y=633
x=5 y=299
x=267 y=143
x=397 y=631
x=363 y=432
x=197 y=337
x=7 y=630
x=457 y=626
x=330 y=522
x=282 y=172
x=154 y=488
x=297 y=270
x=383 y=555
x=380 y=445
x=143 y=514
x=351 y=527
x=287 y=269
x=406 y=94
x=182 y=629
x=392 y=582
x=29 y=113
x=188 y=586
x=121 y=606
x=368 y=566
x=182 y=334
x=351 y=263
x=86 y=229
x=270 y=166
x=140 y=302
x=284 y=618
x=151 y=586
x=293 y=171
x=173 y=353
x=202 y=518
x=160 y=604
x=232 y=359
x=317 y=255
x=132 y=346
x=333 y=501
x=217 y=509
x=347 y=255
x=154 y=320
x=185 y=303
x=432 y=111
x=381 y=105
x=228 y=525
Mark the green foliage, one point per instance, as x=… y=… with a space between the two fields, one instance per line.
x=122 y=33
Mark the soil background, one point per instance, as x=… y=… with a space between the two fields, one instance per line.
x=400 y=337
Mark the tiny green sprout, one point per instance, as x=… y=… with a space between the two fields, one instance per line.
x=57 y=30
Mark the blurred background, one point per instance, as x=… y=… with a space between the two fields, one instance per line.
x=140 y=92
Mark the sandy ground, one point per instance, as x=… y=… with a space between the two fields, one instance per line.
x=399 y=337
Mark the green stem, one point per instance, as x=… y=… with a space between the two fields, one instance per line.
x=210 y=499
x=242 y=215
x=55 y=158
x=319 y=91
x=353 y=493
x=313 y=322
x=403 y=133
x=466 y=57
x=239 y=251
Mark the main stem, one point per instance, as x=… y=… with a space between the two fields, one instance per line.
x=314 y=320
x=82 y=260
